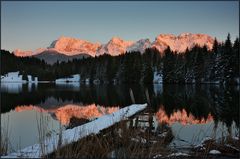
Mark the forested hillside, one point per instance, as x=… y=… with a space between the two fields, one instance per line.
x=196 y=65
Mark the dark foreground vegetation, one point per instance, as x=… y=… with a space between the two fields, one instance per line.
x=135 y=138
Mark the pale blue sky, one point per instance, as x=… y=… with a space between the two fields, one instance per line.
x=30 y=25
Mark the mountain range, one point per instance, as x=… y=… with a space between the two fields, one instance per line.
x=67 y=48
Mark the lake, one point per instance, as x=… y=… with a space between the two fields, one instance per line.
x=192 y=112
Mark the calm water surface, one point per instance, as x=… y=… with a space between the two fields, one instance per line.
x=192 y=112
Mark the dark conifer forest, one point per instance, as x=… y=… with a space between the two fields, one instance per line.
x=196 y=65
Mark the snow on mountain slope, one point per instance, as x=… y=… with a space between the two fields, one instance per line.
x=181 y=42
x=72 y=46
x=140 y=45
x=114 y=47
x=66 y=46
x=22 y=53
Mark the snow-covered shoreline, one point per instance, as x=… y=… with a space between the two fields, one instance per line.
x=73 y=78
x=72 y=135
x=16 y=77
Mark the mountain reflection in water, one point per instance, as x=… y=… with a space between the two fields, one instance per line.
x=191 y=111
x=181 y=116
x=197 y=103
x=65 y=113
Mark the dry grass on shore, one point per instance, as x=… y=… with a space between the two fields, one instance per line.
x=117 y=141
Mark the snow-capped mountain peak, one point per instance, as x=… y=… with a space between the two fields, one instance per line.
x=181 y=42
x=185 y=34
x=22 y=53
x=72 y=46
x=140 y=45
x=114 y=47
x=19 y=52
x=68 y=46
x=116 y=39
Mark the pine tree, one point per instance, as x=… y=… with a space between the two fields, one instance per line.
x=198 y=66
x=236 y=60
x=228 y=60
x=137 y=67
x=168 y=66
x=215 y=46
x=147 y=71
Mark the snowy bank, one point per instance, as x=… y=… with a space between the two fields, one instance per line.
x=15 y=77
x=73 y=135
x=12 y=77
x=73 y=78
x=214 y=152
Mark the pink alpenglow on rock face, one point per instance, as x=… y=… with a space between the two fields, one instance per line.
x=140 y=45
x=72 y=46
x=22 y=53
x=181 y=42
x=68 y=46
x=114 y=47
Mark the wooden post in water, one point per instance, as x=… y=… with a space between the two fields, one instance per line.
x=133 y=101
x=132 y=96
x=150 y=118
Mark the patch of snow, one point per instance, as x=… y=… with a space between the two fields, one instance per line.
x=157 y=78
x=36 y=79
x=96 y=81
x=206 y=139
x=32 y=79
x=153 y=141
x=214 y=152
x=13 y=77
x=236 y=138
x=74 y=78
x=73 y=135
x=178 y=154
x=29 y=78
x=215 y=82
x=232 y=147
x=139 y=139
x=143 y=117
x=87 y=81
x=162 y=134
x=157 y=156
x=135 y=139
x=120 y=132
x=237 y=80
x=198 y=146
